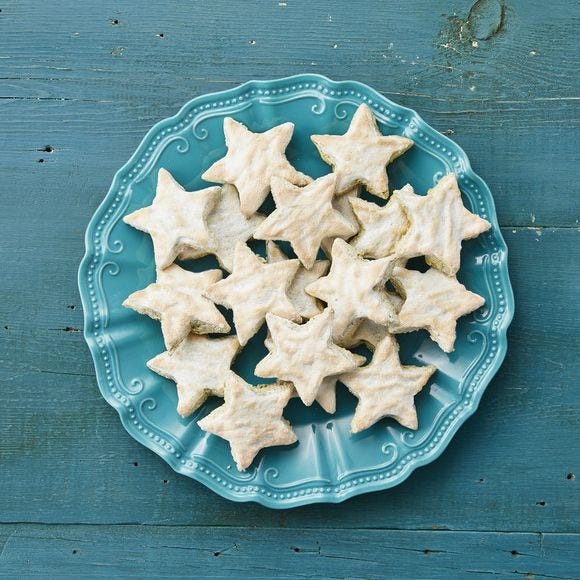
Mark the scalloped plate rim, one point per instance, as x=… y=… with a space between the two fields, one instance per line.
x=347 y=492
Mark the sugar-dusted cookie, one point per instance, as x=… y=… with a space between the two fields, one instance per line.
x=251 y=162
x=326 y=396
x=341 y=203
x=438 y=222
x=304 y=217
x=176 y=220
x=250 y=419
x=433 y=301
x=199 y=365
x=253 y=289
x=380 y=228
x=305 y=305
x=305 y=354
x=385 y=388
x=177 y=300
x=361 y=155
x=354 y=289
x=227 y=226
x=368 y=333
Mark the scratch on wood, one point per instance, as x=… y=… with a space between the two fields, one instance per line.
x=297 y=550
x=5 y=544
x=225 y=550
x=66 y=373
x=67 y=329
x=166 y=547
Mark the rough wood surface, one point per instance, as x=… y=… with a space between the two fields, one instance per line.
x=80 y=86
x=189 y=552
x=91 y=81
x=507 y=469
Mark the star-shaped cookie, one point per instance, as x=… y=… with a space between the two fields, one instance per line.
x=385 y=388
x=361 y=155
x=176 y=299
x=199 y=365
x=438 y=222
x=368 y=333
x=380 y=227
x=253 y=289
x=341 y=203
x=305 y=354
x=250 y=419
x=433 y=301
x=252 y=160
x=326 y=396
x=227 y=226
x=304 y=217
x=305 y=305
x=176 y=220
x=355 y=289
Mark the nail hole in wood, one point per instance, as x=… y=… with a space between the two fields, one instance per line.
x=541 y=503
x=41 y=161
x=252 y=42
x=71 y=306
x=334 y=45
x=296 y=550
x=515 y=553
x=75 y=551
x=47 y=149
x=570 y=476
x=165 y=481
x=216 y=554
x=135 y=464
x=161 y=35
x=481 y=480
x=5 y=328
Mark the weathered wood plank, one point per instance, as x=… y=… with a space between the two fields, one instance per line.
x=210 y=552
x=88 y=82
x=513 y=161
x=66 y=458
x=77 y=84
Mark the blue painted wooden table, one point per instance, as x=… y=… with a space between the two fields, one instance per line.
x=80 y=85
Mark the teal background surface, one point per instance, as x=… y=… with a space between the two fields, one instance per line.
x=81 y=85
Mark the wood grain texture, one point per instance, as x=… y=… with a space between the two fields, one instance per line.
x=92 y=81
x=79 y=88
x=189 y=552
x=507 y=468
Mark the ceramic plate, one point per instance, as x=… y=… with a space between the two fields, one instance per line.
x=328 y=464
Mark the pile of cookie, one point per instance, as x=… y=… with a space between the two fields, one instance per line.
x=316 y=308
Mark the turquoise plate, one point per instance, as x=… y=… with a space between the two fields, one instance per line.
x=328 y=464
